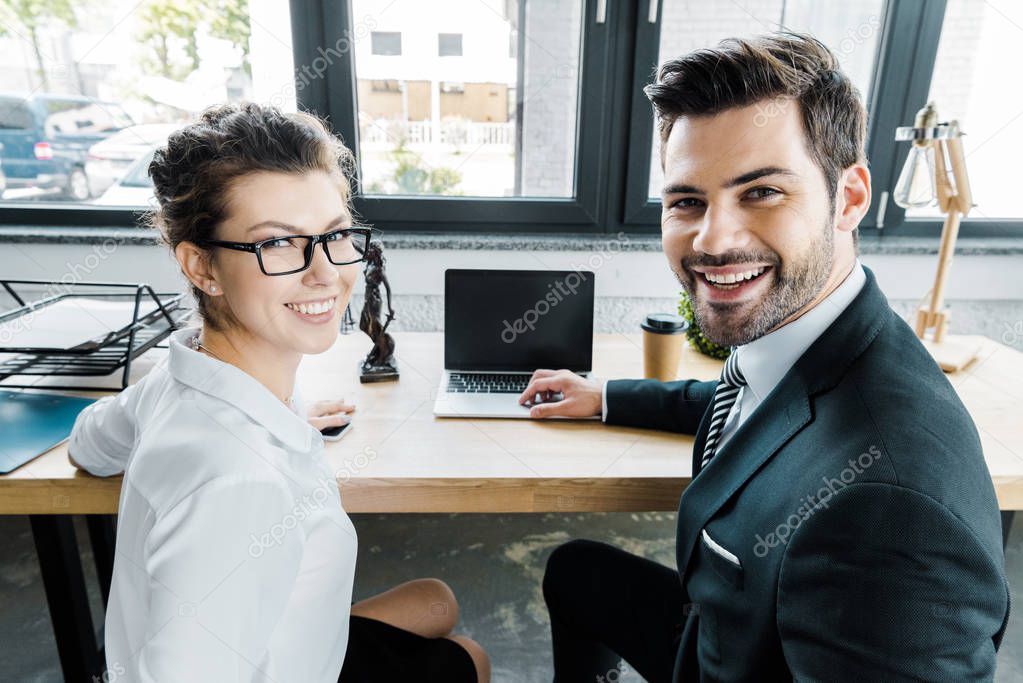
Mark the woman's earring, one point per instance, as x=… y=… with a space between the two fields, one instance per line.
x=213 y=289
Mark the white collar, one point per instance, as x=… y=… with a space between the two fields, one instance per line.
x=239 y=389
x=764 y=361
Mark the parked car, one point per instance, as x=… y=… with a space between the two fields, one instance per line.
x=135 y=187
x=3 y=178
x=108 y=160
x=46 y=139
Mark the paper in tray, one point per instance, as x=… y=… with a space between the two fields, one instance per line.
x=71 y=323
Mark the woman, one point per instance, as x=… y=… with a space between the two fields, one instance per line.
x=235 y=560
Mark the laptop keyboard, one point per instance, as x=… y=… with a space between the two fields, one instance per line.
x=477 y=383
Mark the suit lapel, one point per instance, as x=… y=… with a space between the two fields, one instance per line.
x=700 y=441
x=754 y=443
x=780 y=417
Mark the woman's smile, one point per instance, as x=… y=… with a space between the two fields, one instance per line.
x=317 y=311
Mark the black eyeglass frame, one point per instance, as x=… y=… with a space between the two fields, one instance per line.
x=311 y=242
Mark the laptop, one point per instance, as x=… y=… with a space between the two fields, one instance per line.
x=500 y=326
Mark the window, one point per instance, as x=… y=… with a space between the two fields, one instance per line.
x=493 y=127
x=101 y=89
x=978 y=41
x=386 y=43
x=851 y=30
x=449 y=44
x=14 y=114
x=474 y=115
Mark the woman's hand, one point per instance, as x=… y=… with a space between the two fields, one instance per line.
x=324 y=414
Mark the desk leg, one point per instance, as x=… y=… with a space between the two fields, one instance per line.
x=1007 y=517
x=61 y=568
x=102 y=532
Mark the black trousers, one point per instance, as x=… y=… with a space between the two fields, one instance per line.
x=607 y=605
x=381 y=653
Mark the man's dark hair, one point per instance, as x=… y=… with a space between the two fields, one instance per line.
x=741 y=72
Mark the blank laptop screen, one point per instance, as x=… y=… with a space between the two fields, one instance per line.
x=518 y=320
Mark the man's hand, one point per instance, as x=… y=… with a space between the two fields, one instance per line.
x=579 y=397
x=324 y=414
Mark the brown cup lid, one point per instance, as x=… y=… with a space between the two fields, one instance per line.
x=665 y=323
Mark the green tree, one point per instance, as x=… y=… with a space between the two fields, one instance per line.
x=410 y=176
x=230 y=21
x=32 y=15
x=163 y=22
x=166 y=23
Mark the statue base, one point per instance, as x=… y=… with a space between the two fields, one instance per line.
x=383 y=372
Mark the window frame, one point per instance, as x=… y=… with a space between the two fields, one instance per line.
x=335 y=98
x=441 y=46
x=900 y=86
x=618 y=56
x=909 y=61
x=387 y=33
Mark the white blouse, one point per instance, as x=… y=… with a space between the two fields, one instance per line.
x=234 y=558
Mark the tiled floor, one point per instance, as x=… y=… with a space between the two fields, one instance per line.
x=493 y=562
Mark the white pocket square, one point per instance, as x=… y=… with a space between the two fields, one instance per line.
x=720 y=550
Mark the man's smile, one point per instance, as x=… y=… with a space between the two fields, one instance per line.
x=731 y=283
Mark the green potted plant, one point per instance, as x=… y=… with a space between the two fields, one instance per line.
x=695 y=335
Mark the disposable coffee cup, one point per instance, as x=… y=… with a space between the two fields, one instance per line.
x=663 y=335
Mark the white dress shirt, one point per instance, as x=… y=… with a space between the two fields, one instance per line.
x=766 y=360
x=234 y=557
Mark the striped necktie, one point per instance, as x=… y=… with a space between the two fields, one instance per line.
x=724 y=398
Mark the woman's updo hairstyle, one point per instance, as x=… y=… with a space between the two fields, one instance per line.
x=193 y=173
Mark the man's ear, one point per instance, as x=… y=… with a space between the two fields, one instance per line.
x=195 y=264
x=853 y=198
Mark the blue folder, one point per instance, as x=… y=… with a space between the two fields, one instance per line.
x=33 y=423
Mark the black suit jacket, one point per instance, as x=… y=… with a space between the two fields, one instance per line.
x=848 y=530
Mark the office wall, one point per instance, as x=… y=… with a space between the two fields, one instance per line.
x=985 y=292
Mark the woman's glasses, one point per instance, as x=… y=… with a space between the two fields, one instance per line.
x=294 y=253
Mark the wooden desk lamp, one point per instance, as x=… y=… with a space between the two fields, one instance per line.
x=936 y=169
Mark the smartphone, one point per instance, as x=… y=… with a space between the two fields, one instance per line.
x=336 y=433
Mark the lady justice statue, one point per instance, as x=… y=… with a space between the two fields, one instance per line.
x=379 y=365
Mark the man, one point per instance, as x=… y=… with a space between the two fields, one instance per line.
x=841 y=523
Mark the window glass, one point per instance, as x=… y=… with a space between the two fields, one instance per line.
x=86 y=90
x=481 y=99
x=969 y=85
x=449 y=45
x=850 y=29
x=386 y=43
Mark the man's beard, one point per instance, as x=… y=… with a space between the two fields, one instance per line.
x=794 y=284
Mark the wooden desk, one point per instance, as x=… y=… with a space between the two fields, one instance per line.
x=400 y=458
